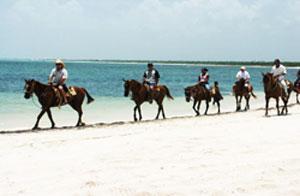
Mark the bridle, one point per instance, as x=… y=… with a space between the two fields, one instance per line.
x=31 y=90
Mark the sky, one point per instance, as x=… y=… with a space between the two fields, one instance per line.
x=151 y=29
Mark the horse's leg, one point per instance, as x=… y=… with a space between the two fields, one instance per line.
x=207 y=106
x=198 y=107
x=36 y=126
x=277 y=106
x=247 y=103
x=297 y=98
x=140 y=112
x=237 y=103
x=79 y=123
x=158 y=112
x=267 y=106
x=194 y=108
x=240 y=102
x=50 y=117
x=219 y=108
x=284 y=108
x=134 y=112
x=163 y=111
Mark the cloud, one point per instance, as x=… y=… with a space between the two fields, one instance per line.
x=152 y=29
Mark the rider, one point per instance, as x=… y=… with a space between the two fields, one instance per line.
x=151 y=79
x=279 y=71
x=297 y=82
x=244 y=74
x=58 y=77
x=203 y=79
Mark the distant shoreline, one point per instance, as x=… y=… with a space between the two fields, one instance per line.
x=179 y=62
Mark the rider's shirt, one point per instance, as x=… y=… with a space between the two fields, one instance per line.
x=57 y=76
x=280 y=71
x=243 y=75
x=204 y=78
x=152 y=76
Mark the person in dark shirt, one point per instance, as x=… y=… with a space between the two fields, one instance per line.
x=151 y=79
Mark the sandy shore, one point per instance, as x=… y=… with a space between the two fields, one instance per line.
x=240 y=153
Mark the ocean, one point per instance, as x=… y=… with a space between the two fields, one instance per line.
x=104 y=82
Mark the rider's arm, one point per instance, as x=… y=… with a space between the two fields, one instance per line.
x=64 y=77
x=238 y=76
x=144 y=77
x=248 y=76
x=51 y=76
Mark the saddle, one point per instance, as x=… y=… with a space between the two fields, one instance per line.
x=60 y=93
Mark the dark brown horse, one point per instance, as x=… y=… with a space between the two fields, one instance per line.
x=49 y=96
x=274 y=90
x=240 y=90
x=139 y=94
x=199 y=94
x=297 y=91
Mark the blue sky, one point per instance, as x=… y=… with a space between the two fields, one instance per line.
x=151 y=29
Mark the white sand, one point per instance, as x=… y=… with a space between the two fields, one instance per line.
x=240 y=153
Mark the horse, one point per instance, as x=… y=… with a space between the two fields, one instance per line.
x=239 y=91
x=274 y=90
x=140 y=93
x=297 y=90
x=199 y=93
x=50 y=96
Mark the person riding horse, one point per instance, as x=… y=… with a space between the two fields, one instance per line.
x=203 y=81
x=58 y=78
x=151 y=79
x=297 y=82
x=279 y=71
x=243 y=74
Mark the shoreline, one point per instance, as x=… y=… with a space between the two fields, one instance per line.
x=120 y=123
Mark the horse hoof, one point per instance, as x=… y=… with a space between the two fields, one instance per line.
x=36 y=128
x=53 y=127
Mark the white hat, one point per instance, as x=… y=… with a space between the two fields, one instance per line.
x=58 y=61
x=243 y=68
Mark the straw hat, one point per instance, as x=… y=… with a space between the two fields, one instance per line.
x=243 y=68
x=59 y=62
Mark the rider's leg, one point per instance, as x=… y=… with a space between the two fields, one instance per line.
x=284 y=85
x=64 y=91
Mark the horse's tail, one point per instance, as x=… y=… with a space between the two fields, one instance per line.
x=168 y=92
x=89 y=97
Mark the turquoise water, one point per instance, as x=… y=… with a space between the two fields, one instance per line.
x=106 y=79
x=104 y=82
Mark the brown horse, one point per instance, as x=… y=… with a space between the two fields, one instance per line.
x=140 y=94
x=239 y=90
x=274 y=90
x=49 y=96
x=199 y=93
x=297 y=91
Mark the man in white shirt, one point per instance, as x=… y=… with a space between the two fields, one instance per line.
x=243 y=74
x=58 y=77
x=279 y=71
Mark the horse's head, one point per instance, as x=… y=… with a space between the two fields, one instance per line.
x=268 y=79
x=242 y=82
x=126 y=87
x=215 y=89
x=29 y=88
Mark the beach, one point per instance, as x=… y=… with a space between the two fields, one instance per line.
x=228 y=154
